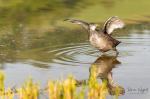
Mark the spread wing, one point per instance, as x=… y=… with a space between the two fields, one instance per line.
x=80 y=22
x=112 y=23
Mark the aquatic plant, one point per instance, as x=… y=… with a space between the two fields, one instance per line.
x=2 y=77
x=2 y=88
x=62 y=89
x=96 y=90
x=30 y=90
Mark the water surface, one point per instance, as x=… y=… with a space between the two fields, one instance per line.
x=76 y=57
x=36 y=42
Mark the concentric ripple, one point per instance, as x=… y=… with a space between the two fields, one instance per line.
x=77 y=54
x=74 y=54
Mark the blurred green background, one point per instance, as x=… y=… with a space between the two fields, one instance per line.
x=30 y=25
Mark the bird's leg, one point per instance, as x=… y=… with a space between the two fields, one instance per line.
x=117 y=53
x=103 y=52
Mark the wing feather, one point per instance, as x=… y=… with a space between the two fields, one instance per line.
x=80 y=22
x=112 y=23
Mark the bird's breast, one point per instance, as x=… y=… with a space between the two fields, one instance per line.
x=97 y=41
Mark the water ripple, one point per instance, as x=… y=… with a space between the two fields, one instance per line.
x=78 y=54
x=73 y=54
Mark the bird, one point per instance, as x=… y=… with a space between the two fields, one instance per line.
x=101 y=38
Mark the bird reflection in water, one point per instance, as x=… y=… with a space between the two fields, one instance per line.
x=104 y=66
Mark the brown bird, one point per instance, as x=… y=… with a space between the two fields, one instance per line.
x=101 y=38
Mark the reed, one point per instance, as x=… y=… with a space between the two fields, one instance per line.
x=63 y=89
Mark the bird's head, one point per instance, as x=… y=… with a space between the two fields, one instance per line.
x=93 y=26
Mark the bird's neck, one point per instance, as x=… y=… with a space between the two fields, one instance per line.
x=92 y=28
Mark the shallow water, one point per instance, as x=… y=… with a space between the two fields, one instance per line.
x=36 y=42
x=76 y=57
